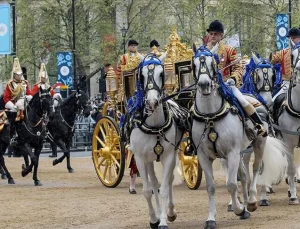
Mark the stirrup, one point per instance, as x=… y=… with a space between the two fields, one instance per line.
x=13 y=141
x=261 y=130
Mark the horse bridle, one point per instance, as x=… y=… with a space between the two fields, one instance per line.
x=203 y=68
x=267 y=85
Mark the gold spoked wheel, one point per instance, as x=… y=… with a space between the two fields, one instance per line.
x=191 y=169
x=108 y=152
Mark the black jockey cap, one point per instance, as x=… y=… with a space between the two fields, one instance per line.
x=154 y=43
x=132 y=42
x=294 y=32
x=216 y=26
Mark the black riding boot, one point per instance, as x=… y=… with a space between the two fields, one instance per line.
x=11 y=116
x=54 y=149
x=258 y=124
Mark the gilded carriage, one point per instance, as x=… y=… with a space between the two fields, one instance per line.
x=109 y=152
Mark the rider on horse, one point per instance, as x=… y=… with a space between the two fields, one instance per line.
x=16 y=89
x=43 y=81
x=228 y=56
x=284 y=58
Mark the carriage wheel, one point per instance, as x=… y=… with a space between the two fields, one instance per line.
x=191 y=169
x=108 y=152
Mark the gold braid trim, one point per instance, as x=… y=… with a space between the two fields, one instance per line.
x=16 y=89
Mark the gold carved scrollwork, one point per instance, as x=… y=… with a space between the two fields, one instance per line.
x=177 y=51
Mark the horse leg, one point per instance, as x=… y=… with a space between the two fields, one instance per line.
x=4 y=168
x=3 y=175
x=206 y=165
x=62 y=146
x=154 y=185
x=68 y=145
x=28 y=168
x=233 y=166
x=291 y=173
x=172 y=214
x=225 y=168
x=37 y=152
x=168 y=162
x=143 y=170
x=246 y=160
x=244 y=180
x=263 y=196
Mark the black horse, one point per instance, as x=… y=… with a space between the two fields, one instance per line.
x=32 y=130
x=4 y=143
x=61 y=128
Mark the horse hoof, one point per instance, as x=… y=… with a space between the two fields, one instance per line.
x=246 y=215
x=11 y=181
x=252 y=207
x=24 y=173
x=3 y=177
x=71 y=170
x=172 y=218
x=271 y=191
x=54 y=162
x=154 y=225
x=229 y=208
x=37 y=183
x=293 y=201
x=210 y=224
x=289 y=194
x=163 y=227
x=298 y=180
x=264 y=203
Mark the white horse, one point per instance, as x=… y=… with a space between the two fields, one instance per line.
x=218 y=132
x=156 y=138
x=289 y=122
x=260 y=83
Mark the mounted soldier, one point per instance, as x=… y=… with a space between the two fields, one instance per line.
x=228 y=56
x=284 y=58
x=17 y=89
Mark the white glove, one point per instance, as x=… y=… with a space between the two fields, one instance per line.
x=11 y=106
x=230 y=82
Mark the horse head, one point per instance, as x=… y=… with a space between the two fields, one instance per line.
x=296 y=62
x=42 y=102
x=152 y=80
x=205 y=67
x=82 y=103
x=264 y=75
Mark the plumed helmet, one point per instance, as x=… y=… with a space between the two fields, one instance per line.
x=216 y=26
x=154 y=43
x=132 y=42
x=295 y=32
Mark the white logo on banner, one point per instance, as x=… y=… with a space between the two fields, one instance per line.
x=64 y=70
x=3 y=29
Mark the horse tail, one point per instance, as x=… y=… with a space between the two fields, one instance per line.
x=177 y=173
x=274 y=163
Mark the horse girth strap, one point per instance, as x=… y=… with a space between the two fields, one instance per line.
x=289 y=106
x=200 y=117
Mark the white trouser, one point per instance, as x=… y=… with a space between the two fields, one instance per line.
x=11 y=106
x=243 y=101
x=284 y=88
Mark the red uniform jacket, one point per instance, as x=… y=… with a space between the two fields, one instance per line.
x=11 y=91
x=36 y=88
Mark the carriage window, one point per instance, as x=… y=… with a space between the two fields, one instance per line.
x=186 y=77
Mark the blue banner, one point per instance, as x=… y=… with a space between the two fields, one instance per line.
x=64 y=68
x=282 y=26
x=5 y=36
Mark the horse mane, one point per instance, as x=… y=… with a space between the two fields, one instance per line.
x=67 y=100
